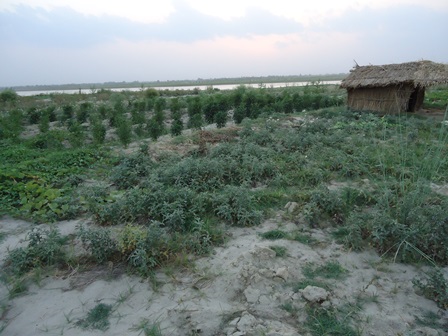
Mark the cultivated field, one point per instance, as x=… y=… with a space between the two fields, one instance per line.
x=246 y=212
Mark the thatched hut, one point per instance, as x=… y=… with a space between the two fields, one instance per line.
x=392 y=88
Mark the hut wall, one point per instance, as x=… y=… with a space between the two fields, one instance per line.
x=388 y=99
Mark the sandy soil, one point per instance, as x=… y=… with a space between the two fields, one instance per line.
x=238 y=290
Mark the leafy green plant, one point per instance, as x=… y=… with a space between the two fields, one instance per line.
x=98 y=241
x=8 y=95
x=44 y=248
x=124 y=131
x=237 y=206
x=98 y=131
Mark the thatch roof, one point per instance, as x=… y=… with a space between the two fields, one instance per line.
x=422 y=73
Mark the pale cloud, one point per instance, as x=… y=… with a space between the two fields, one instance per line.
x=55 y=42
x=144 y=11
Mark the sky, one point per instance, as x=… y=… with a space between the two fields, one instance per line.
x=93 y=41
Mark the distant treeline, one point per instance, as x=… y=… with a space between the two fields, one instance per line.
x=197 y=82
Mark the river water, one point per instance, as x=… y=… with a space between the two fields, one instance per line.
x=200 y=87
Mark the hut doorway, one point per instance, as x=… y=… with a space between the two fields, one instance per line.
x=416 y=99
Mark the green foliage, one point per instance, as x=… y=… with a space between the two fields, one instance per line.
x=237 y=206
x=175 y=106
x=131 y=170
x=195 y=121
x=11 y=125
x=154 y=128
x=159 y=106
x=84 y=110
x=176 y=127
x=8 y=95
x=124 y=131
x=44 y=122
x=44 y=248
x=99 y=242
x=33 y=115
x=151 y=93
x=434 y=287
x=194 y=106
x=98 y=131
x=221 y=119
x=97 y=318
x=76 y=135
x=67 y=112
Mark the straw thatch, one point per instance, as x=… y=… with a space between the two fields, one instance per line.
x=422 y=73
x=392 y=88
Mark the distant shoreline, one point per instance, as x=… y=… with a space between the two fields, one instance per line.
x=171 y=83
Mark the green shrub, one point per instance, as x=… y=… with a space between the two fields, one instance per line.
x=45 y=248
x=44 y=122
x=195 y=121
x=131 y=170
x=33 y=115
x=237 y=206
x=99 y=242
x=11 y=125
x=8 y=95
x=124 y=131
x=98 y=131
x=176 y=127
x=221 y=119
x=76 y=135
x=154 y=128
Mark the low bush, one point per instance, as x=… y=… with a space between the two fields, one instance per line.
x=99 y=242
x=44 y=248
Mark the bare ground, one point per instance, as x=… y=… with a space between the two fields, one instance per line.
x=243 y=288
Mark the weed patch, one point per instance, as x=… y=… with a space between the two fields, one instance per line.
x=274 y=235
x=97 y=318
x=330 y=270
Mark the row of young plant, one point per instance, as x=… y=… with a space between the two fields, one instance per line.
x=133 y=116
